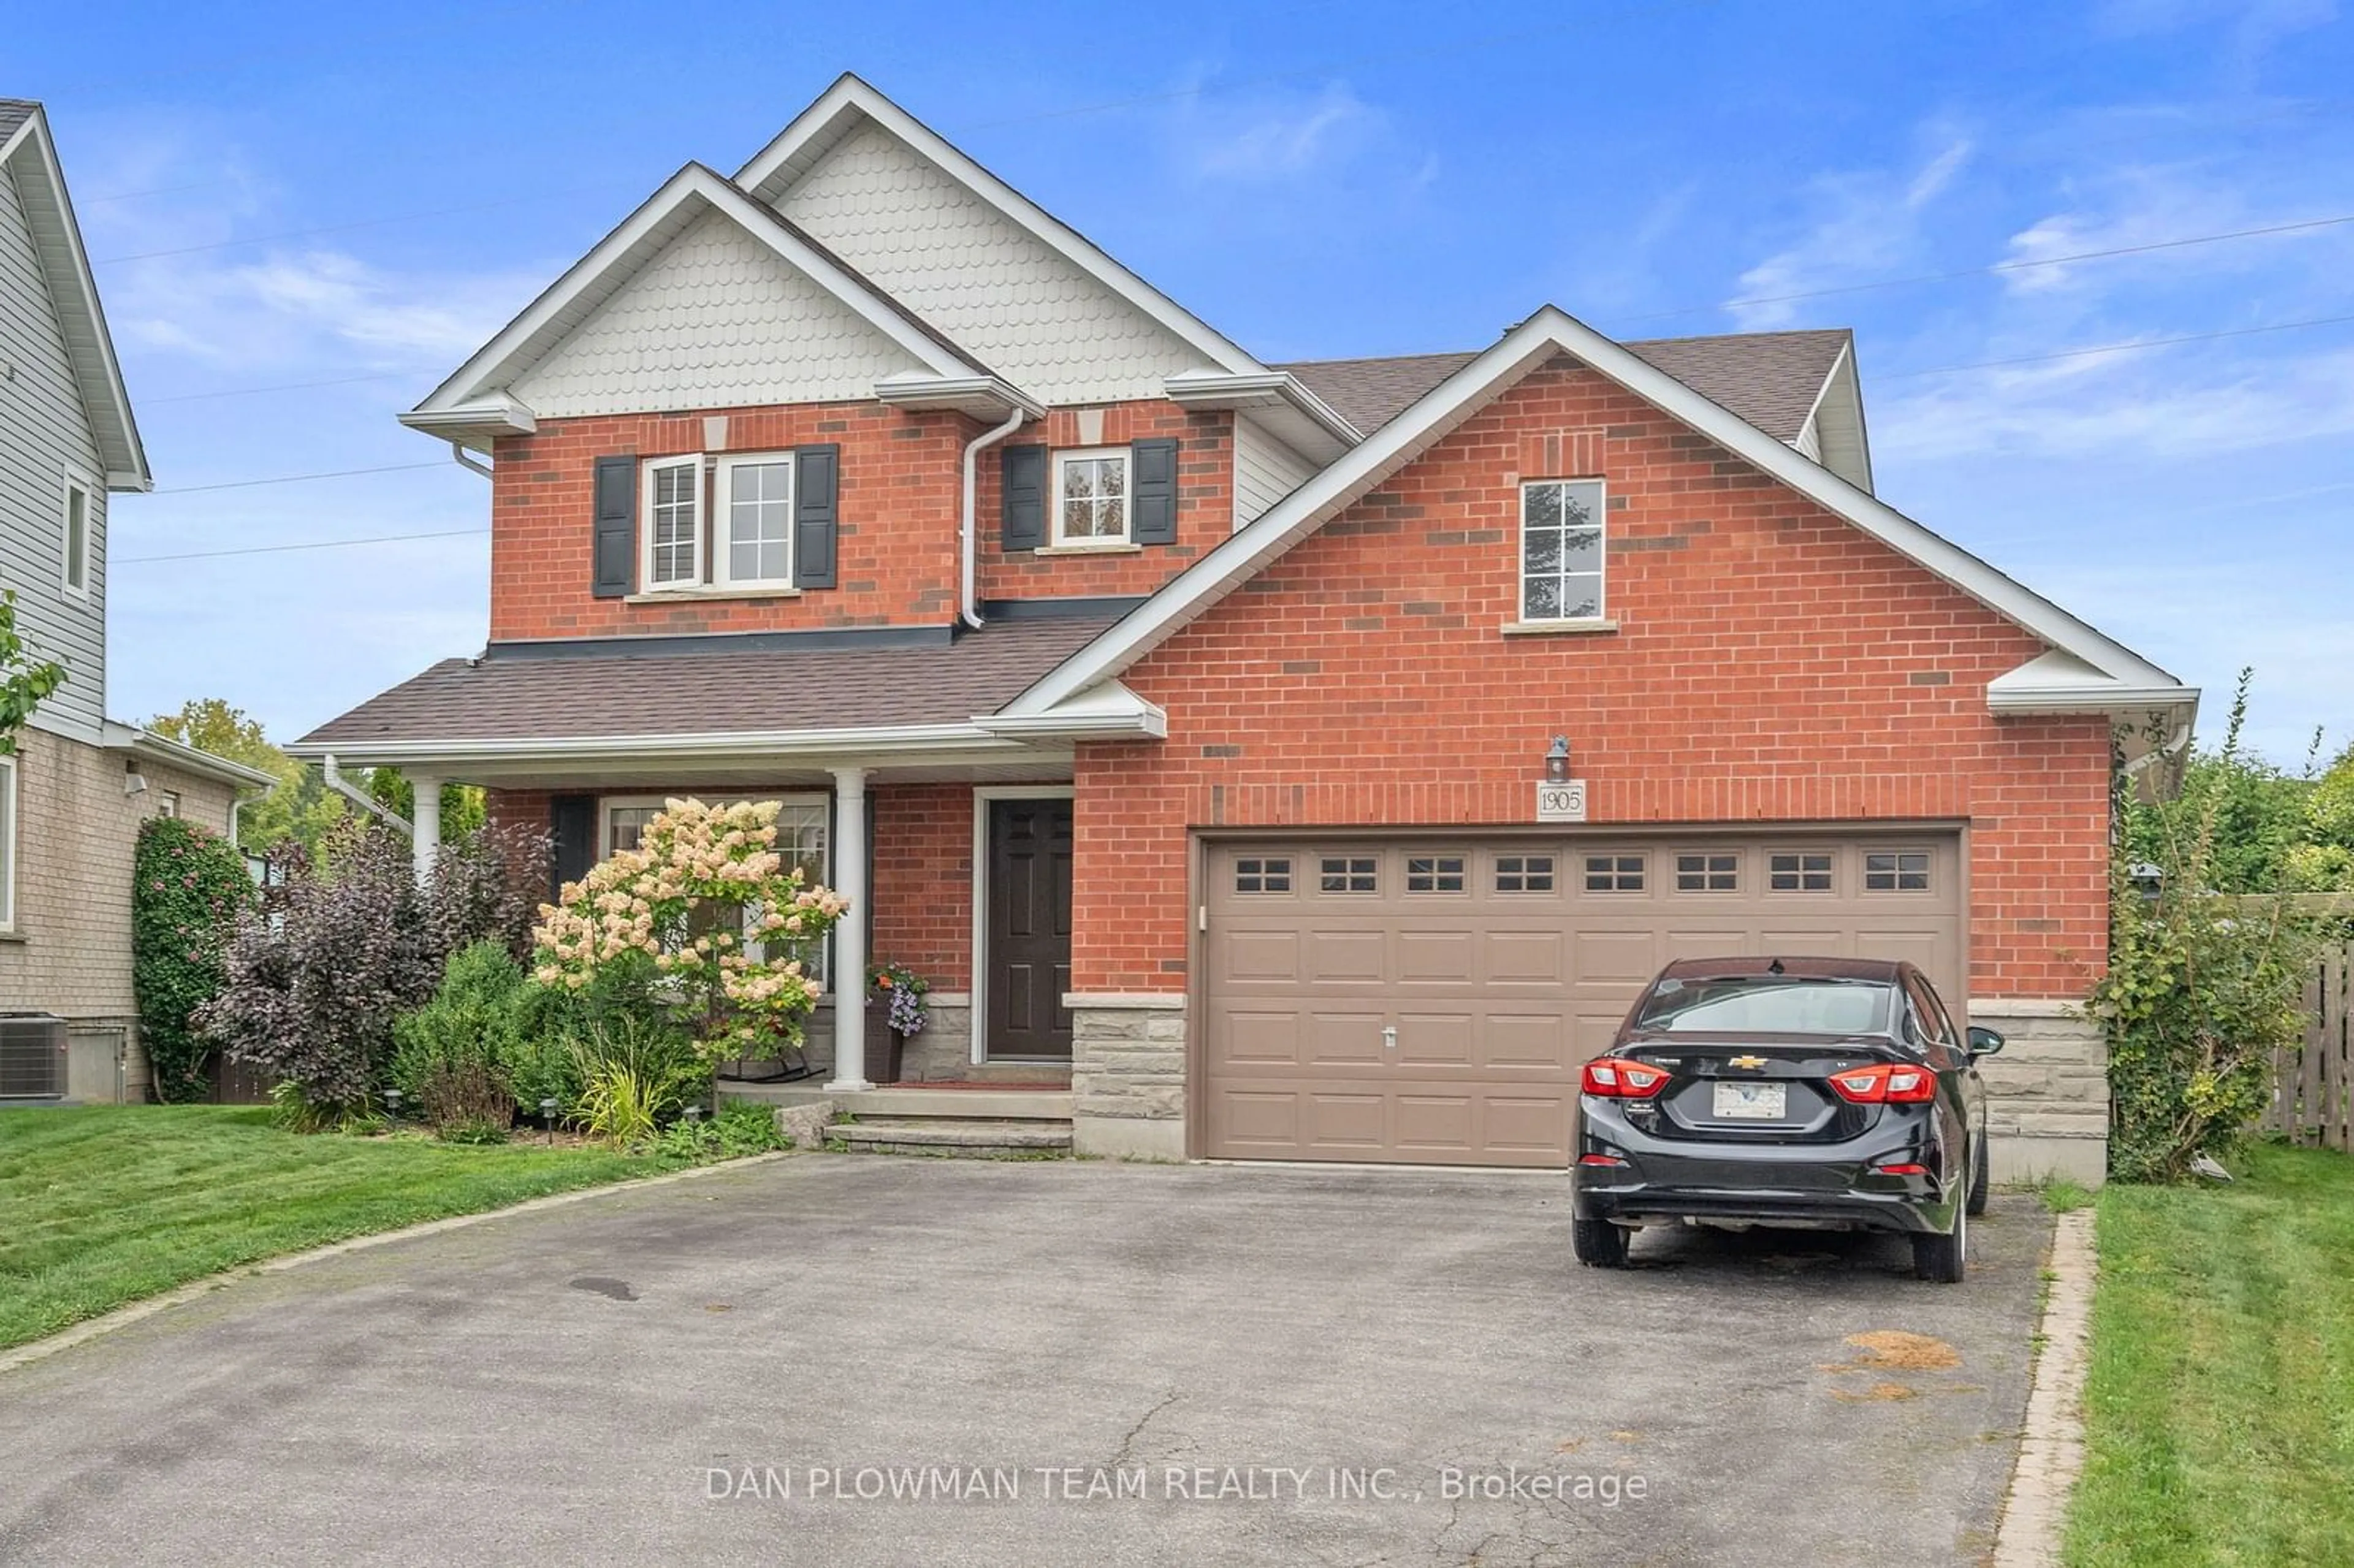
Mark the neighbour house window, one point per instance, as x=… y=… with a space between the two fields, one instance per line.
x=1561 y=549
x=77 y=537
x=7 y=843
x=1800 y=873
x=1524 y=873
x=674 y=523
x=1896 y=871
x=1091 y=496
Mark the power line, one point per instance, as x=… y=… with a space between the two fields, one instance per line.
x=2116 y=347
x=280 y=549
x=298 y=478
x=1998 y=267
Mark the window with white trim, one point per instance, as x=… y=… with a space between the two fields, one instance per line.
x=753 y=496
x=7 y=843
x=1561 y=549
x=673 y=527
x=1091 y=496
x=76 y=523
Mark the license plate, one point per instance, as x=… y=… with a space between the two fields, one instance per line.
x=1751 y=1102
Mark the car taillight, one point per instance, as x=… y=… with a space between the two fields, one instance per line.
x=1889 y=1083
x=1900 y=1168
x=1600 y=1160
x=1616 y=1078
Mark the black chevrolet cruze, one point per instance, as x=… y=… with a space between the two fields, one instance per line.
x=1815 y=1093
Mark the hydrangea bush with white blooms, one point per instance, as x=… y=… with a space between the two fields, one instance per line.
x=727 y=925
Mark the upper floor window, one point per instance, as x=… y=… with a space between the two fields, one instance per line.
x=1091 y=496
x=1561 y=549
x=77 y=537
x=743 y=537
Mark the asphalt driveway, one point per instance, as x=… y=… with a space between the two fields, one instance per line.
x=1243 y=1365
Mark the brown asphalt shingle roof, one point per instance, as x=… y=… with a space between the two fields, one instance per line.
x=1769 y=378
x=713 y=691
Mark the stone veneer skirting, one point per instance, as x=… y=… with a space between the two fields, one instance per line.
x=2048 y=1090
x=943 y=1051
x=1127 y=1076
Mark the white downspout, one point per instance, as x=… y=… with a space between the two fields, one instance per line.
x=471 y=464
x=971 y=537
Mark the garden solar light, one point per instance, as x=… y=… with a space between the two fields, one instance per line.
x=392 y=1104
x=547 y=1117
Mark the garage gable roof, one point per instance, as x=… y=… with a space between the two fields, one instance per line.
x=2113 y=677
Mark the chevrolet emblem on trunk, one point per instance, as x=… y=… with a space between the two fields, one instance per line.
x=1747 y=1061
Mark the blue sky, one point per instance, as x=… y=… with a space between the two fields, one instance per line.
x=296 y=193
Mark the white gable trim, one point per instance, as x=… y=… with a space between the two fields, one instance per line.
x=482 y=381
x=32 y=158
x=2125 y=680
x=818 y=128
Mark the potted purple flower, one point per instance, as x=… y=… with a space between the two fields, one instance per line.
x=901 y=992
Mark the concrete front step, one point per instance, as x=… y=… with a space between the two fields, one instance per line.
x=969 y=1137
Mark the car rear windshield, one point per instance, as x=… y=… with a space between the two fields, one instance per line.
x=1766 y=1004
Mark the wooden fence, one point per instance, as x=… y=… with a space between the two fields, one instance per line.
x=2313 y=1089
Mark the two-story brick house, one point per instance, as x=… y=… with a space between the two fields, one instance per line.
x=78 y=785
x=1185 y=716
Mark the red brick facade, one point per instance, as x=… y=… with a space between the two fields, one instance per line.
x=1772 y=662
x=901 y=503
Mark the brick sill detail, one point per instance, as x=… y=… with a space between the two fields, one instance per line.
x=1109 y=547
x=679 y=596
x=1588 y=627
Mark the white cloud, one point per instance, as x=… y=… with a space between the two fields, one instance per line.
x=1864 y=224
x=1279 y=137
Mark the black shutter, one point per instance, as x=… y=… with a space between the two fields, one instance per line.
x=572 y=825
x=614 y=556
x=1153 y=493
x=1023 y=477
x=817 y=485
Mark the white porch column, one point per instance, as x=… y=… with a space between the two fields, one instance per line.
x=848 y=860
x=425 y=817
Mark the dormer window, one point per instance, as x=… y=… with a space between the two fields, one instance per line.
x=1091 y=493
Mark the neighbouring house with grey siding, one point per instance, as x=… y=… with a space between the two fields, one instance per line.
x=78 y=785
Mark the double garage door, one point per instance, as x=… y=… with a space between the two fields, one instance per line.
x=1431 y=1002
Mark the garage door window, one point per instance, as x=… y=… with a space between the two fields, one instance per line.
x=1347 y=873
x=1614 y=873
x=1801 y=872
x=1524 y=873
x=1896 y=871
x=1434 y=874
x=1708 y=872
x=1263 y=874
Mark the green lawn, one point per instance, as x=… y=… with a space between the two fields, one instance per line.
x=104 y=1206
x=2220 y=1412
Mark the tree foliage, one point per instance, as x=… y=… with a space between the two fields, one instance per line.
x=463 y=807
x=26 y=679
x=2201 y=987
x=299 y=806
x=188 y=888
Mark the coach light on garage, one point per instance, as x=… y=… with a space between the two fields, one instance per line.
x=1557 y=760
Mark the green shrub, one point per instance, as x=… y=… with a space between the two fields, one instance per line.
x=635 y=1076
x=450 y=1055
x=186 y=889
x=738 y=1129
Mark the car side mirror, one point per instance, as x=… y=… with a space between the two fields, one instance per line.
x=1984 y=1041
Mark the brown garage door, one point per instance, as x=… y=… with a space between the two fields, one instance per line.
x=1430 y=1002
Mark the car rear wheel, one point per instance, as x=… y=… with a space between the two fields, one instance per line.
x=1940 y=1259
x=1979 y=1177
x=1598 y=1244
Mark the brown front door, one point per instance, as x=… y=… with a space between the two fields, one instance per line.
x=1029 y=929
